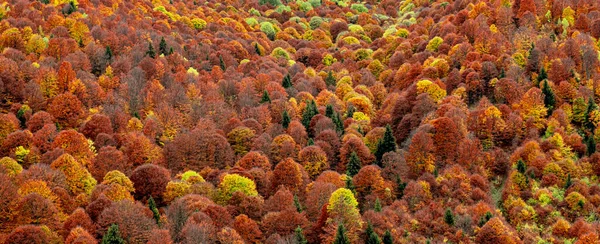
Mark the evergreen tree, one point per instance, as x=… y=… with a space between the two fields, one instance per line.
x=154 y=209
x=170 y=50
x=350 y=111
x=339 y=124
x=309 y=112
x=285 y=119
x=387 y=237
x=502 y=74
x=329 y=112
x=590 y=108
x=310 y=142
x=297 y=204
x=568 y=183
x=108 y=53
x=287 y=81
x=590 y=143
x=549 y=98
x=400 y=186
x=300 y=239
x=265 y=97
x=354 y=165
x=350 y=185
x=543 y=75
x=340 y=236
x=112 y=236
x=330 y=80
x=162 y=47
x=257 y=49
x=449 y=217
x=386 y=144
x=150 y=51
x=521 y=166
x=372 y=237
x=377 y=207
x=222 y=63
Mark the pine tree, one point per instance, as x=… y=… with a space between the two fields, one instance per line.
x=350 y=185
x=386 y=144
x=112 y=236
x=549 y=98
x=309 y=112
x=568 y=183
x=300 y=239
x=387 y=237
x=162 y=47
x=350 y=111
x=339 y=124
x=521 y=166
x=222 y=63
x=372 y=237
x=108 y=53
x=265 y=97
x=154 y=209
x=330 y=80
x=400 y=186
x=297 y=204
x=285 y=119
x=329 y=112
x=449 y=217
x=170 y=50
x=590 y=143
x=340 y=236
x=150 y=51
x=377 y=207
x=287 y=81
x=543 y=75
x=354 y=165
x=310 y=142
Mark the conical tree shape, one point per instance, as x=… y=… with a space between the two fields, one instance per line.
x=354 y=165
x=112 y=236
x=285 y=119
x=299 y=236
x=372 y=237
x=387 y=238
x=400 y=186
x=297 y=204
x=377 y=208
x=549 y=98
x=449 y=217
x=222 y=63
x=154 y=209
x=150 y=51
x=162 y=47
x=521 y=166
x=108 y=53
x=329 y=112
x=340 y=236
x=287 y=81
x=309 y=112
x=386 y=144
x=265 y=97
x=330 y=80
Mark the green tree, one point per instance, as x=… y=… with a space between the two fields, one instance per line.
x=329 y=112
x=154 y=209
x=386 y=144
x=542 y=76
x=568 y=182
x=350 y=111
x=222 y=63
x=162 y=47
x=151 y=51
x=340 y=236
x=372 y=237
x=354 y=165
x=521 y=166
x=310 y=142
x=285 y=119
x=377 y=207
x=330 y=80
x=590 y=143
x=309 y=112
x=449 y=217
x=265 y=97
x=287 y=81
x=112 y=236
x=297 y=204
x=387 y=237
x=257 y=49
x=549 y=98
x=300 y=239
x=590 y=108
x=400 y=186
x=108 y=53
x=339 y=124
x=349 y=185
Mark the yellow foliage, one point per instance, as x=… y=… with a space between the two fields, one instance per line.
x=13 y=168
x=435 y=92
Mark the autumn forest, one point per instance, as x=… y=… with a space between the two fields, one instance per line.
x=299 y=121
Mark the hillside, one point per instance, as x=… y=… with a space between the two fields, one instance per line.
x=306 y=121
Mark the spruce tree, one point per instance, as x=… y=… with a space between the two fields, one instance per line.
x=521 y=166
x=112 y=236
x=387 y=237
x=339 y=124
x=299 y=236
x=590 y=143
x=287 y=81
x=222 y=63
x=354 y=164
x=350 y=111
x=340 y=236
x=285 y=119
x=329 y=112
x=543 y=75
x=449 y=217
x=297 y=204
x=400 y=186
x=154 y=209
x=150 y=51
x=108 y=53
x=386 y=144
x=162 y=47
x=350 y=185
x=377 y=207
x=265 y=97
x=372 y=237
x=310 y=142
x=309 y=112
x=330 y=80
x=549 y=98
x=568 y=183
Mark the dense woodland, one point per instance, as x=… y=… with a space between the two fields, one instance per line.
x=306 y=121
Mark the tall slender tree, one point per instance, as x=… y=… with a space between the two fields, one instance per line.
x=386 y=144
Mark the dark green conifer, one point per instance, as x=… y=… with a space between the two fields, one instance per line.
x=113 y=236
x=354 y=165
x=265 y=97
x=340 y=236
x=285 y=119
x=386 y=144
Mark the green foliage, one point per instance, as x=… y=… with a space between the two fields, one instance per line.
x=310 y=142
x=297 y=204
x=330 y=80
x=350 y=111
x=273 y=3
x=309 y=112
x=449 y=217
x=113 y=236
x=285 y=119
x=162 y=47
x=387 y=238
x=400 y=186
x=222 y=63
x=315 y=22
x=108 y=54
x=521 y=167
x=340 y=236
x=354 y=165
x=484 y=219
x=154 y=209
x=434 y=44
x=386 y=144
x=151 y=51
x=287 y=81
x=360 y=8
x=549 y=97
x=232 y=183
x=268 y=29
x=377 y=208
x=568 y=182
x=11 y=166
x=198 y=23
x=591 y=106
x=299 y=236
x=265 y=97
x=372 y=237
